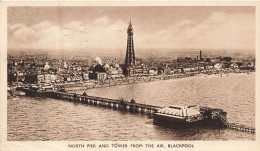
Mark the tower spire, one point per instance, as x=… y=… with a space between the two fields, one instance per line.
x=130 y=54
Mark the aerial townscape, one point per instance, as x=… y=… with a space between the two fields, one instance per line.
x=43 y=76
x=81 y=80
x=55 y=72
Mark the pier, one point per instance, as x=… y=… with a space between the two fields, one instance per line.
x=131 y=106
x=97 y=101
x=242 y=128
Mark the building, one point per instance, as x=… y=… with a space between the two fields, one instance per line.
x=46 y=78
x=101 y=76
x=85 y=76
x=153 y=72
x=112 y=71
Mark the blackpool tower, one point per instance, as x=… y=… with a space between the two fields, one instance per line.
x=130 y=53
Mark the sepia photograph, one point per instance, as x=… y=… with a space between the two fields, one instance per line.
x=131 y=74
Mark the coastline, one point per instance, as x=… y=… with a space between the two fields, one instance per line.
x=157 y=79
x=139 y=80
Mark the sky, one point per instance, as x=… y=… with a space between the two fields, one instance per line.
x=188 y=27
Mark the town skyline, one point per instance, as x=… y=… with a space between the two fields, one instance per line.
x=229 y=28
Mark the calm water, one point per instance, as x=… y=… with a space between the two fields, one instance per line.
x=49 y=119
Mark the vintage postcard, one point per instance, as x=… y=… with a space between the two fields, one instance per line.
x=129 y=76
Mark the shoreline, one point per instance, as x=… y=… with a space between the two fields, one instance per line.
x=156 y=79
x=138 y=80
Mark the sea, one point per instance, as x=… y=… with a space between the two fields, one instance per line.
x=45 y=119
